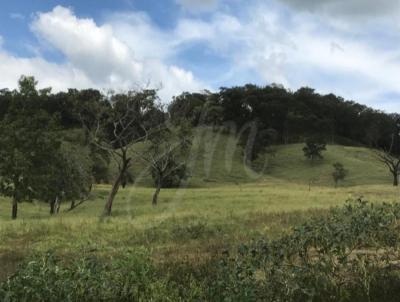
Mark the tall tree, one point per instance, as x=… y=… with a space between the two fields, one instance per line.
x=116 y=129
x=28 y=144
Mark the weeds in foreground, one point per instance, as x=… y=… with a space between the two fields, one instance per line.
x=351 y=254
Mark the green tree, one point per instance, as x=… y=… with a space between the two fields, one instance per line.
x=339 y=173
x=69 y=178
x=313 y=149
x=28 y=146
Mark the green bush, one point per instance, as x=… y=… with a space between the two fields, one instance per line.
x=130 y=278
x=349 y=255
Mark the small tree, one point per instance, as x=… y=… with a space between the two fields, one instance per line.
x=70 y=177
x=165 y=155
x=313 y=149
x=339 y=173
x=392 y=162
x=391 y=156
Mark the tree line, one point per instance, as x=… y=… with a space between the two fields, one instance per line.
x=283 y=116
x=55 y=146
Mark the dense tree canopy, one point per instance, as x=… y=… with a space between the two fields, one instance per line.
x=293 y=116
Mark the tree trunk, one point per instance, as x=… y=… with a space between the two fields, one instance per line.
x=72 y=205
x=114 y=189
x=155 y=195
x=52 y=206
x=58 y=205
x=395 y=179
x=14 y=209
x=116 y=185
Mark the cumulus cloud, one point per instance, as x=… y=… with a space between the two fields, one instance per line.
x=93 y=48
x=94 y=57
x=57 y=76
x=105 y=59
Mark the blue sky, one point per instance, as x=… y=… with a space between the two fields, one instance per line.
x=348 y=47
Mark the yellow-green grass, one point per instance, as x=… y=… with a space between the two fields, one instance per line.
x=187 y=222
x=362 y=164
x=215 y=158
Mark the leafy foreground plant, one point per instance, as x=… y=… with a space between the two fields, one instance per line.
x=350 y=254
x=128 y=278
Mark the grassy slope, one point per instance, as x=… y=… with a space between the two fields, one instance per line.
x=290 y=164
x=216 y=159
x=224 y=205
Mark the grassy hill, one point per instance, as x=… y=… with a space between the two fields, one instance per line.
x=289 y=164
x=217 y=159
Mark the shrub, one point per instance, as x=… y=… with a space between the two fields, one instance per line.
x=46 y=278
x=350 y=255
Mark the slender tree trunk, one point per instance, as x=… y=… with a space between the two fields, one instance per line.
x=72 y=205
x=114 y=191
x=395 y=179
x=14 y=208
x=115 y=188
x=58 y=205
x=155 y=195
x=52 y=206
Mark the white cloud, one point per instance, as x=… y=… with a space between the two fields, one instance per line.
x=95 y=57
x=298 y=50
x=57 y=76
x=137 y=31
x=92 y=48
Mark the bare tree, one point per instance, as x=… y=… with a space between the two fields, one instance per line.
x=165 y=156
x=117 y=128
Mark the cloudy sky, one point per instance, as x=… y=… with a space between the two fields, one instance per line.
x=348 y=47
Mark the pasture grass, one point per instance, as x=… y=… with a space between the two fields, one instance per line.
x=188 y=223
